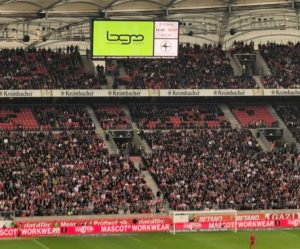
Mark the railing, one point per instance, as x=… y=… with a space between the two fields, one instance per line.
x=295 y=204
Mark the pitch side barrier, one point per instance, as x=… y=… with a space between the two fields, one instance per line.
x=232 y=220
x=173 y=221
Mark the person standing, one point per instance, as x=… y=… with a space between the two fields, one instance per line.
x=252 y=240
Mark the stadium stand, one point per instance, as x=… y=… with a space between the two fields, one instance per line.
x=178 y=117
x=17 y=118
x=68 y=173
x=284 y=62
x=254 y=116
x=219 y=169
x=45 y=69
x=112 y=117
x=196 y=67
x=63 y=118
x=290 y=114
x=198 y=161
x=242 y=47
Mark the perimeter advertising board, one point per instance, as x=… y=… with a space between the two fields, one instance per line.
x=251 y=220
x=83 y=226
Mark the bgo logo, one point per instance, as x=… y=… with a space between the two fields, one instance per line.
x=124 y=39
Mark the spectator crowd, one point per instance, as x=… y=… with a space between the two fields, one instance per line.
x=112 y=117
x=195 y=67
x=222 y=169
x=63 y=118
x=183 y=116
x=290 y=114
x=46 y=69
x=197 y=160
x=68 y=173
x=284 y=63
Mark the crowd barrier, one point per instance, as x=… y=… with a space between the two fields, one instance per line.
x=97 y=225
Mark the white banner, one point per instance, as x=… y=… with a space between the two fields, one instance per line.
x=282 y=92
x=20 y=93
x=206 y=92
x=90 y=93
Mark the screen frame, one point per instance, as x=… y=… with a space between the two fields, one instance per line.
x=129 y=57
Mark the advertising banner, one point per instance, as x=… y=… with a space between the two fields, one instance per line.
x=6 y=233
x=282 y=92
x=116 y=225
x=134 y=38
x=122 y=38
x=110 y=229
x=266 y=220
x=107 y=223
x=88 y=93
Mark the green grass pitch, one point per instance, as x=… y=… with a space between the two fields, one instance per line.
x=202 y=240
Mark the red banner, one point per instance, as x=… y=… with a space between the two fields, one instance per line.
x=230 y=225
x=96 y=222
x=143 y=228
x=35 y=232
x=94 y=226
x=71 y=226
x=8 y=233
x=282 y=216
x=82 y=230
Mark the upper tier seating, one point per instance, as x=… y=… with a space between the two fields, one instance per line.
x=45 y=69
x=196 y=67
x=284 y=63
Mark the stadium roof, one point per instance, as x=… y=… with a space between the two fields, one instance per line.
x=69 y=19
x=94 y=8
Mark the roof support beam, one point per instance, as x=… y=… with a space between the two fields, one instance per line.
x=225 y=22
x=30 y=3
x=51 y=5
x=170 y=3
x=6 y=2
x=79 y=1
x=108 y=6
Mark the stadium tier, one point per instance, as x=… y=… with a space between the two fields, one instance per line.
x=196 y=159
x=196 y=67
x=174 y=116
x=17 y=118
x=254 y=116
x=63 y=118
x=50 y=118
x=45 y=69
x=284 y=63
x=290 y=114
x=219 y=169
x=68 y=172
x=112 y=117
